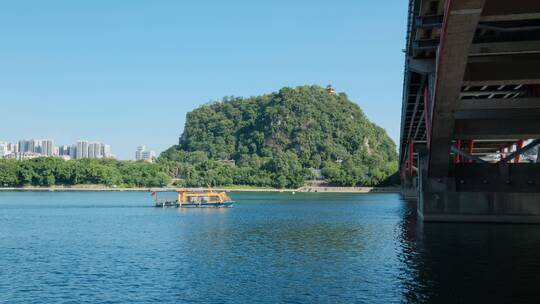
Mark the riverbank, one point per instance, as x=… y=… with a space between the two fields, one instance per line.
x=305 y=189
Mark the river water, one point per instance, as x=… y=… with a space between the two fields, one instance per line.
x=79 y=247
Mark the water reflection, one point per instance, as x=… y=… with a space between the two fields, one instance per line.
x=468 y=263
x=302 y=249
x=270 y=248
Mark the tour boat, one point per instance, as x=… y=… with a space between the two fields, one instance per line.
x=195 y=199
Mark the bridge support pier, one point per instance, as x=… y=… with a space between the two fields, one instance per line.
x=409 y=187
x=501 y=193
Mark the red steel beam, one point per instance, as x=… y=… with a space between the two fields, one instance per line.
x=470 y=148
x=519 y=146
x=457 y=158
x=427 y=116
x=411 y=157
x=536 y=91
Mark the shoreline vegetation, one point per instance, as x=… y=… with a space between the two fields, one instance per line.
x=54 y=174
x=303 y=139
x=240 y=188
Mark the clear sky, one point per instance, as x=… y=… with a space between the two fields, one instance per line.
x=126 y=72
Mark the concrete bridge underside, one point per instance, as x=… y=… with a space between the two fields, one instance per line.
x=471 y=110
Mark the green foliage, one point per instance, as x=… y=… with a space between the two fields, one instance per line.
x=49 y=171
x=272 y=140
x=9 y=173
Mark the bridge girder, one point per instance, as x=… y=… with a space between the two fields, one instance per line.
x=472 y=89
x=500 y=68
x=461 y=20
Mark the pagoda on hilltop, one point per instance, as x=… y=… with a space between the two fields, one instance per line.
x=330 y=89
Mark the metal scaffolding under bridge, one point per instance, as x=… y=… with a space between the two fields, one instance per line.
x=471 y=110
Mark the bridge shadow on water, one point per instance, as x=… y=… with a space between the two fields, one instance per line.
x=468 y=263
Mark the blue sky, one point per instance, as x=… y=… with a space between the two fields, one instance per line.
x=127 y=72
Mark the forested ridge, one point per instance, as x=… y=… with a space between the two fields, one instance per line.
x=280 y=140
x=276 y=140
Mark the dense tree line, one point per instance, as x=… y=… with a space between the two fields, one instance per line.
x=49 y=171
x=281 y=140
x=276 y=140
x=195 y=169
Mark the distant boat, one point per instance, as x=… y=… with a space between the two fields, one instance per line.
x=195 y=199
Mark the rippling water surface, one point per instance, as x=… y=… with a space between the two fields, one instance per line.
x=270 y=248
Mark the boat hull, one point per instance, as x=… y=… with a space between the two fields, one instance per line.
x=201 y=205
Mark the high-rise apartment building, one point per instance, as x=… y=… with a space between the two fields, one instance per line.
x=94 y=150
x=73 y=151
x=148 y=156
x=141 y=154
x=3 y=148
x=23 y=145
x=82 y=149
x=13 y=148
x=35 y=146
x=29 y=145
x=7 y=149
x=106 y=150
x=63 y=150
x=46 y=147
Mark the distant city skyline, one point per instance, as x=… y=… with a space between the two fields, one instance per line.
x=34 y=147
x=126 y=72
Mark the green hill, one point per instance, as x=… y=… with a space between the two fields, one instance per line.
x=281 y=139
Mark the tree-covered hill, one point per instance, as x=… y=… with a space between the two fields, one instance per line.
x=281 y=139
